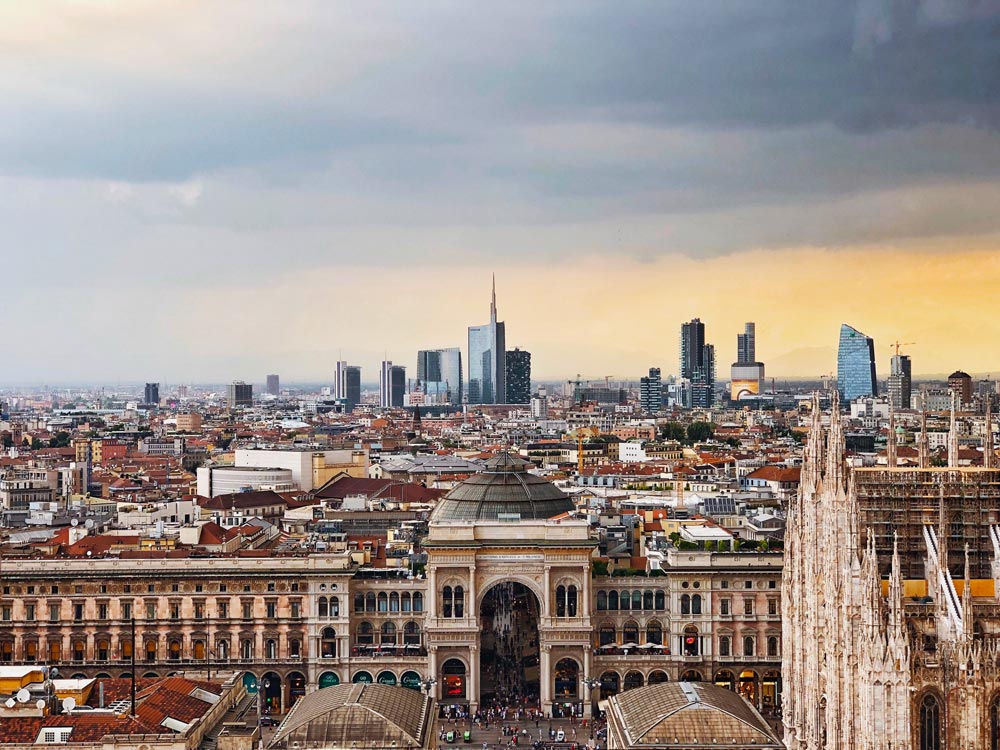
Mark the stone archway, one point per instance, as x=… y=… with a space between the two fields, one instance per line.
x=510 y=656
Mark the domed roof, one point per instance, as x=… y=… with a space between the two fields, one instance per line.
x=503 y=490
x=960 y=374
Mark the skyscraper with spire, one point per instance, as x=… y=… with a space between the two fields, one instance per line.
x=487 y=359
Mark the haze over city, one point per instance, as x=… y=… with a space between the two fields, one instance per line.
x=197 y=195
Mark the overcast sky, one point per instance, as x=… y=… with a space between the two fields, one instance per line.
x=206 y=190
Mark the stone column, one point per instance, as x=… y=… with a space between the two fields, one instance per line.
x=471 y=609
x=473 y=681
x=545 y=673
x=585 y=594
x=432 y=663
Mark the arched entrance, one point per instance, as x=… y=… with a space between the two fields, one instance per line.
x=691 y=675
x=567 y=680
x=509 y=652
x=749 y=686
x=657 y=676
x=770 y=691
x=610 y=684
x=725 y=678
x=328 y=679
x=453 y=681
x=296 y=687
x=271 y=693
x=633 y=680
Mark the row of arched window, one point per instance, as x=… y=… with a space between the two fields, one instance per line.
x=632 y=600
x=749 y=646
x=607 y=635
x=387 y=634
x=453 y=601
x=566 y=599
x=151 y=651
x=383 y=602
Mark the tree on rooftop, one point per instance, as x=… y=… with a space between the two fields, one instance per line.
x=673 y=431
x=699 y=432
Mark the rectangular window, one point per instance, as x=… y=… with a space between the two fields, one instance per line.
x=725 y=584
x=54 y=613
x=102 y=611
x=272 y=610
x=772 y=584
x=55 y=589
x=150 y=610
x=223 y=608
x=126 y=610
x=748 y=606
x=175 y=611
x=127 y=588
x=223 y=588
x=175 y=587
x=151 y=588
x=748 y=584
x=199 y=611
x=295 y=609
x=198 y=587
x=31 y=590
x=77 y=611
x=247 y=610
x=78 y=589
x=724 y=605
x=295 y=586
x=270 y=585
x=246 y=587
x=6 y=613
x=29 y=612
x=772 y=606
x=103 y=588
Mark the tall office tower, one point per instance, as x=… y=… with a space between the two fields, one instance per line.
x=698 y=364
x=855 y=365
x=899 y=383
x=746 y=344
x=340 y=379
x=392 y=385
x=961 y=384
x=440 y=374
x=351 y=386
x=151 y=394
x=273 y=385
x=518 y=376
x=239 y=394
x=651 y=391
x=487 y=365
x=746 y=376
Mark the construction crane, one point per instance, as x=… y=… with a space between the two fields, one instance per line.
x=898 y=344
x=607 y=381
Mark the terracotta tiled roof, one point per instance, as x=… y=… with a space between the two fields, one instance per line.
x=776 y=474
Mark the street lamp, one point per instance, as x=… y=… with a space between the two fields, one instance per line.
x=590 y=683
x=427 y=683
x=264 y=685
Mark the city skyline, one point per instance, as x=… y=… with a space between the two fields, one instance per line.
x=316 y=152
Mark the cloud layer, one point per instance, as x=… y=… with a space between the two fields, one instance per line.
x=153 y=152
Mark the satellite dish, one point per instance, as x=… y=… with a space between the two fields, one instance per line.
x=9 y=703
x=75 y=522
x=40 y=704
x=69 y=704
x=23 y=696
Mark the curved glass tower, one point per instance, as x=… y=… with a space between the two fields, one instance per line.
x=855 y=364
x=487 y=360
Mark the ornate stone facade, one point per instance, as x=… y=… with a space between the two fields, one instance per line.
x=875 y=661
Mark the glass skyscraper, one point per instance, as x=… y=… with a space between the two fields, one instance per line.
x=518 y=376
x=855 y=364
x=440 y=373
x=487 y=360
x=698 y=364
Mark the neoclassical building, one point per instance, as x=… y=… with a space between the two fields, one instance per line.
x=890 y=598
x=509 y=605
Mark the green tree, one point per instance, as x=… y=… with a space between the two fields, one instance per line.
x=673 y=431
x=699 y=432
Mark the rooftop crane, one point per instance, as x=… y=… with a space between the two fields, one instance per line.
x=898 y=344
